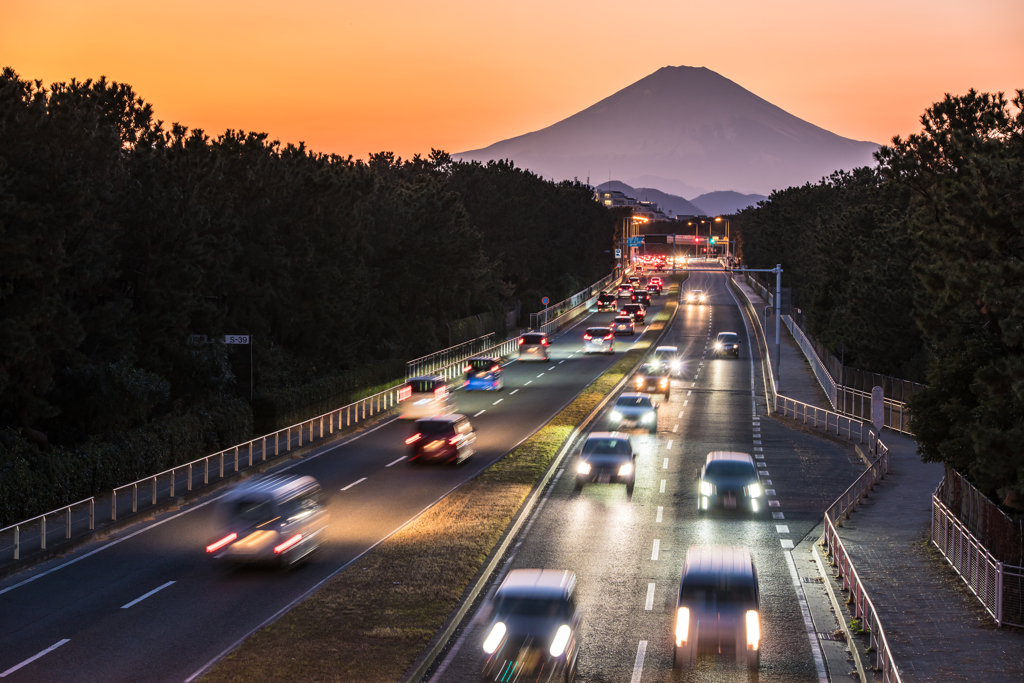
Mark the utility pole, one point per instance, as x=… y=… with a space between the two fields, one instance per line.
x=778 y=323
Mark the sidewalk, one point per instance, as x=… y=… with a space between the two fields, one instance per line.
x=796 y=380
x=937 y=629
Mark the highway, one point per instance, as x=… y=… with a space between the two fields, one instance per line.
x=149 y=604
x=628 y=554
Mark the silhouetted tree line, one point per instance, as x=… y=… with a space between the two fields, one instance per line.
x=121 y=237
x=917 y=267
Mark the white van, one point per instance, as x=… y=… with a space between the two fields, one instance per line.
x=425 y=397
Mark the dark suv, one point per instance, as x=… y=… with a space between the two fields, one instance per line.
x=718 y=610
x=445 y=438
x=727 y=343
x=654 y=378
x=607 y=302
x=534 y=345
x=607 y=457
x=729 y=480
x=641 y=296
x=636 y=312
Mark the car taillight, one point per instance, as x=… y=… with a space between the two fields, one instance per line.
x=441 y=392
x=467 y=368
x=455 y=439
x=610 y=336
x=587 y=336
x=682 y=626
x=404 y=393
x=494 y=368
x=544 y=341
x=520 y=341
x=414 y=438
x=214 y=547
x=287 y=544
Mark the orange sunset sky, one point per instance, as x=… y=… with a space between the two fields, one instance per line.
x=365 y=76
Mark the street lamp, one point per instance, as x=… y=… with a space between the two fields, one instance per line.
x=728 y=242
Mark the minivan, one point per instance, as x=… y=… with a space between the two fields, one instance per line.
x=425 y=397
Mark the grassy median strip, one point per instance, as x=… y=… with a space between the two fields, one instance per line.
x=371 y=622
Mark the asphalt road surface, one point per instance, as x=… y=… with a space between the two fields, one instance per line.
x=628 y=554
x=148 y=604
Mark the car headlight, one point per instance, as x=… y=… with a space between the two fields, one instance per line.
x=682 y=626
x=560 y=640
x=648 y=417
x=583 y=467
x=616 y=415
x=626 y=470
x=718 y=345
x=753 y=630
x=706 y=488
x=639 y=381
x=494 y=638
x=676 y=364
x=754 y=490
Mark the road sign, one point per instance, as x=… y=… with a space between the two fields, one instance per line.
x=236 y=339
x=618 y=253
x=545 y=301
x=635 y=241
x=878 y=408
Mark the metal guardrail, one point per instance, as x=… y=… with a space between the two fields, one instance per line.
x=429 y=364
x=543 y=319
x=999 y=587
x=197 y=473
x=828 y=385
x=861 y=605
x=823 y=418
x=66 y=510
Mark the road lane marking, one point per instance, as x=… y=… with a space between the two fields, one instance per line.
x=680 y=416
x=773 y=503
x=769 y=492
x=669 y=444
x=540 y=375
x=143 y=597
x=812 y=635
x=662 y=486
x=649 y=604
x=657 y=548
x=664 y=465
x=763 y=473
x=47 y=651
x=782 y=528
x=675 y=428
x=395 y=462
x=514 y=391
x=661 y=511
x=358 y=481
x=759 y=456
x=688 y=393
x=528 y=383
x=685 y=402
x=497 y=402
x=638 y=665
x=757 y=442
x=560 y=362
x=767 y=482
x=758 y=448
x=552 y=367
x=693 y=384
x=481 y=412
x=778 y=515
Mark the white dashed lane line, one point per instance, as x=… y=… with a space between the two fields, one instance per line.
x=54 y=647
x=528 y=383
x=481 y=412
x=358 y=481
x=664 y=465
x=638 y=665
x=675 y=428
x=782 y=528
x=540 y=375
x=395 y=462
x=552 y=367
x=669 y=444
x=661 y=511
x=649 y=603
x=497 y=402
x=143 y=597
x=656 y=550
x=514 y=391
x=662 y=490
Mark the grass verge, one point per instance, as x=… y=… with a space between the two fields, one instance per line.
x=371 y=621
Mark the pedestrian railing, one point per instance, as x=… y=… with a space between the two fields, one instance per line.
x=996 y=585
x=432 y=363
x=821 y=418
x=544 y=318
x=860 y=603
x=828 y=385
x=89 y=504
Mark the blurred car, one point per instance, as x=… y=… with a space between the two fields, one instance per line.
x=599 y=340
x=446 y=438
x=729 y=480
x=624 y=291
x=718 y=610
x=534 y=628
x=655 y=282
x=623 y=324
x=634 y=280
x=534 y=346
x=484 y=373
x=636 y=312
x=669 y=355
x=727 y=343
x=606 y=458
x=425 y=397
x=274 y=520
x=641 y=296
x=634 y=410
x=696 y=296
x=654 y=378
x=606 y=302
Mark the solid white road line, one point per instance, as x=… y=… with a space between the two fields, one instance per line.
x=662 y=486
x=143 y=597
x=358 y=481
x=638 y=665
x=481 y=412
x=664 y=465
x=649 y=604
x=395 y=462
x=33 y=658
x=654 y=552
x=812 y=635
x=513 y=391
x=497 y=402
x=661 y=511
